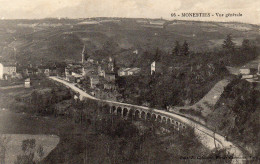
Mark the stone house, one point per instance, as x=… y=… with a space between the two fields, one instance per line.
x=7 y=70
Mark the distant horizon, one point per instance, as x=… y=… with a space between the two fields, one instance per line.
x=167 y=19
x=246 y=11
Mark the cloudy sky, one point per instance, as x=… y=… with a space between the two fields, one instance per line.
x=27 y=9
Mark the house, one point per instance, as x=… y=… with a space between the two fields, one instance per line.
x=249 y=72
x=134 y=71
x=128 y=71
x=7 y=70
x=104 y=84
x=77 y=76
x=109 y=86
x=53 y=71
x=101 y=72
x=111 y=77
x=46 y=70
x=67 y=73
x=156 y=67
x=110 y=65
x=123 y=71
x=71 y=78
x=135 y=52
x=89 y=69
x=27 y=83
x=247 y=76
x=94 y=80
x=30 y=71
x=246 y=70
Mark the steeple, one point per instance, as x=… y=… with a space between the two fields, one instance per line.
x=83 y=54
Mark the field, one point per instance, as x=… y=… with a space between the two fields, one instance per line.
x=19 y=123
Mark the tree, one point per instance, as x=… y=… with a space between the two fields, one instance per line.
x=228 y=44
x=245 y=45
x=185 y=49
x=157 y=56
x=28 y=148
x=53 y=96
x=85 y=55
x=177 y=49
x=116 y=68
x=110 y=47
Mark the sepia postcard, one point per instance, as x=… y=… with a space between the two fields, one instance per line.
x=129 y=81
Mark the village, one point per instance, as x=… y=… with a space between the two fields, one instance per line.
x=97 y=78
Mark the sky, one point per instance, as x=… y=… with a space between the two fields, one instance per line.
x=36 y=9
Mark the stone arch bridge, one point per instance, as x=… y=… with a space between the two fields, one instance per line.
x=144 y=113
x=207 y=137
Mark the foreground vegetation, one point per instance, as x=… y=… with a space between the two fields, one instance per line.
x=106 y=138
x=236 y=115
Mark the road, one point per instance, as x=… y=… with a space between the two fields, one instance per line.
x=205 y=134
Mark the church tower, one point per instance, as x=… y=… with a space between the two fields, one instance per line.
x=110 y=64
x=84 y=57
x=83 y=54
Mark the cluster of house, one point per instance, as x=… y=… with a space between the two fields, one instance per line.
x=12 y=70
x=40 y=70
x=98 y=74
x=250 y=73
x=93 y=72
x=128 y=71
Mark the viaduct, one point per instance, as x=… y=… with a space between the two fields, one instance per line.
x=207 y=137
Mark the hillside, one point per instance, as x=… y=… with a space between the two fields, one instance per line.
x=236 y=115
x=55 y=39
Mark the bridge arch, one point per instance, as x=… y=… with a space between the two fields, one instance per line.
x=164 y=120
x=177 y=125
x=119 y=111
x=148 y=116
x=113 y=109
x=159 y=118
x=153 y=118
x=131 y=113
x=137 y=114
x=168 y=121
x=173 y=122
x=143 y=115
x=125 y=112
